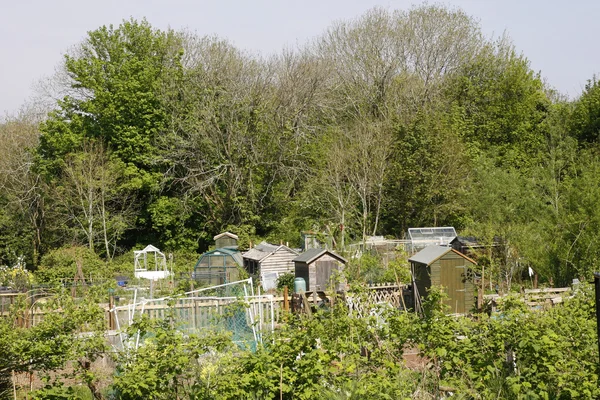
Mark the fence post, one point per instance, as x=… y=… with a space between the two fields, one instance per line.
x=597 y=287
x=111 y=305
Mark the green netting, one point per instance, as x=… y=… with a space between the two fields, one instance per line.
x=231 y=307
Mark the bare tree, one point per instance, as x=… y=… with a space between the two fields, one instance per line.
x=90 y=198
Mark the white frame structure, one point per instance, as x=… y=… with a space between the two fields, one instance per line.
x=141 y=258
x=430 y=236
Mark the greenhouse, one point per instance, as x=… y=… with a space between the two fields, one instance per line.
x=218 y=266
x=437 y=236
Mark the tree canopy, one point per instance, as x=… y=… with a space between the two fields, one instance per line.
x=392 y=120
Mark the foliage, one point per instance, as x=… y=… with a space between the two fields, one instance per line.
x=584 y=120
x=167 y=364
x=395 y=119
x=47 y=347
x=514 y=353
x=286 y=280
x=312 y=356
x=61 y=264
x=370 y=268
x=391 y=120
x=15 y=277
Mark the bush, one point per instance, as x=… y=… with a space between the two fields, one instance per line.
x=286 y=280
x=61 y=264
x=16 y=277
x=370 y=268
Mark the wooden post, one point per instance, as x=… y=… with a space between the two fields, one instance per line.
x=481 y=291
x=14 y=382
x=597 y=288
x=285 y=299
x=399 y=284
x=306 y=305
x=111 y=305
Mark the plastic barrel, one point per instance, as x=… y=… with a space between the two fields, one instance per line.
x=299 y=285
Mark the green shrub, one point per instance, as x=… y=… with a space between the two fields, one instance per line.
x=16 y=277
x=286 y=280
x=61 y=264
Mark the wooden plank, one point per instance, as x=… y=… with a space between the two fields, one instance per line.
x=547 y=290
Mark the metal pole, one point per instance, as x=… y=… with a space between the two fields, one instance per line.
x=597 y=287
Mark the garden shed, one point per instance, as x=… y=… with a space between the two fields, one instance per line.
x=226 y=240
x=472 y=246
x=446 y=267
x=269 y=261
x=218 y=266
x=317 y=267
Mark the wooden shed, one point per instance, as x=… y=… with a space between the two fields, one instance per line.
x=226 y=240
x=268 y=262
x=446 y=267
x=317 y=266
x=472 y=246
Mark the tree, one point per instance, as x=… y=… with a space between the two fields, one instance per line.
x=585 y=125
x=116 y=79
x=21 y=190
x=58 y=339
x=223 y=155
x=427 y=174
x=91 y=200
x=503 y=104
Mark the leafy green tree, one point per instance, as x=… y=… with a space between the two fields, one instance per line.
x=116 y=80
x=21 y=191
x=427 y=175
x=586 y=114
x=116 y=75
x=46 y=348
x=503 y=104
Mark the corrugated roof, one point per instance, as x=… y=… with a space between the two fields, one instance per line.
x=263 y=250
x=310 y=255
x=431 y=253
x=255 y=254
x=267 y=247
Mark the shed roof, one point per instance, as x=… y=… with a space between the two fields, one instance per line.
x=472 y=241
x=264 y=250
x=312 y=254
x=228 y=234
x=430 y=254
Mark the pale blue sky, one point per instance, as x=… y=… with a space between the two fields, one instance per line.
x=559 y=37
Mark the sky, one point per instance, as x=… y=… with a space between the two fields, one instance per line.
x=558 y=37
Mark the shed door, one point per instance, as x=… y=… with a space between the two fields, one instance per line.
x=324 y=271
x=453 y=278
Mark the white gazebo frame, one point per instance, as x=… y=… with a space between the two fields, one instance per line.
x=141 y=257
